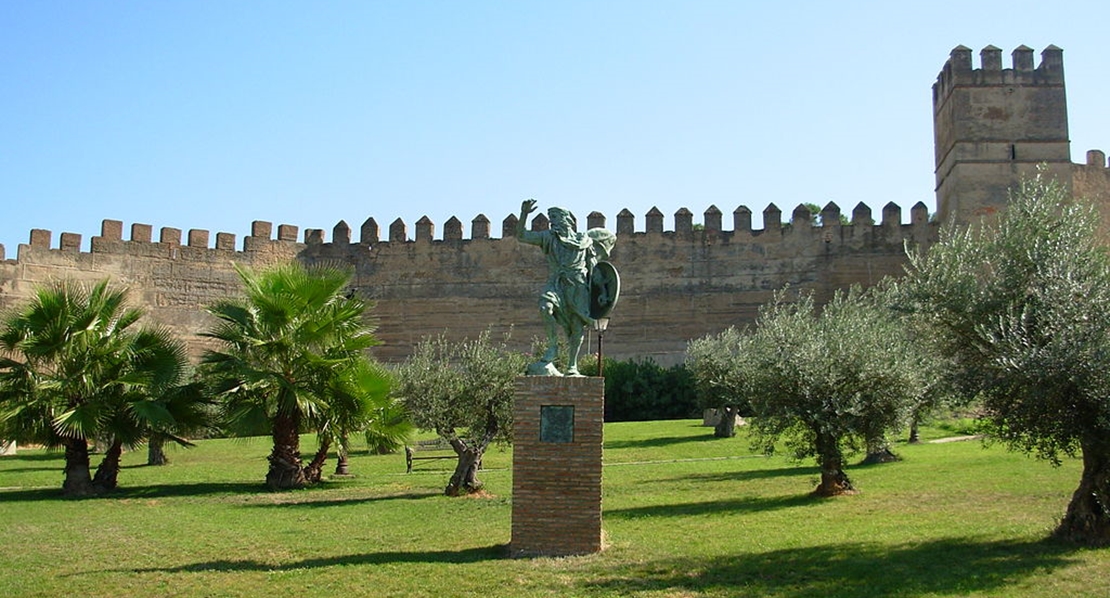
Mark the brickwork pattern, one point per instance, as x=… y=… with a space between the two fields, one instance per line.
x=557 y=485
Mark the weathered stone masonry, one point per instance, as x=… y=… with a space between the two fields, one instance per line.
x=678 y=284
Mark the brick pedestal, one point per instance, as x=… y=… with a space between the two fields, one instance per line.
x=557 y=442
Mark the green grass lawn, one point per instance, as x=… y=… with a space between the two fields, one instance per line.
x=684 y=515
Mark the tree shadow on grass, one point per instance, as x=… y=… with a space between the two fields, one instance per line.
x=456 y=557
x=293 y=498
x=140 y=466
x=31 y=494
x=307 y=497
x=194 y=489
x=732 y=505
x=340 y=502
x=958 y=566
x=749 y=475
x=35 y=468
x=39 y=455
x=659 y=442
x=169 y=490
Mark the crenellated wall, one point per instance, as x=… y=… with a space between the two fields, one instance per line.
x=678 y=282
x=172 y=280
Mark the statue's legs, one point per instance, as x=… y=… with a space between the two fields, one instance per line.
x=551 y=328
x=546 y=366
x=575 y=333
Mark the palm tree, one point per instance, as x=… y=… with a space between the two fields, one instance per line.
x=75 y=367
x=288 y=346
x=356 y=398
x=390 y=427
x=192 y=411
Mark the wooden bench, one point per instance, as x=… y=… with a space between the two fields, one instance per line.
x=437 y=445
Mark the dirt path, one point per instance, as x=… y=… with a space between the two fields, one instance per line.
x=956 y=439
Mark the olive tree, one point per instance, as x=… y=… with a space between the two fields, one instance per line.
x=825 y=381
x=721 y=378
x=464 y=392
x=1022 y=304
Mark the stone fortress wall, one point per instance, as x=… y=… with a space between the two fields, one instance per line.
x=170 y=279
x=679 y=281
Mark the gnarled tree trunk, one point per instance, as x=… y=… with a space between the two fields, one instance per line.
x=342 y=463
x=285 y=458
x=156 y=450
x=465 y=478
x=834 y=481
x=878 y=451
x=107 y=473
x=726 y=424
x=78 y=478
x=915 y=436
x=1087 y=521
x=314 y=471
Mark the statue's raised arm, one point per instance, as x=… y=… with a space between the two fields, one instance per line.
x=569 y=301
x=526 y=207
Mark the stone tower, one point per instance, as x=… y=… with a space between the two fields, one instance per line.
x=992 y=125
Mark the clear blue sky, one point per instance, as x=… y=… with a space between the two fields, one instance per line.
x=197 y=114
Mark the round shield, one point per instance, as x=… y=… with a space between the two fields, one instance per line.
x=605 y=288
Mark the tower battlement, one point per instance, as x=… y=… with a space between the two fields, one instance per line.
x=958 y=70
x=994 y=125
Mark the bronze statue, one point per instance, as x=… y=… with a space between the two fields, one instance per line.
x=581 y=285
